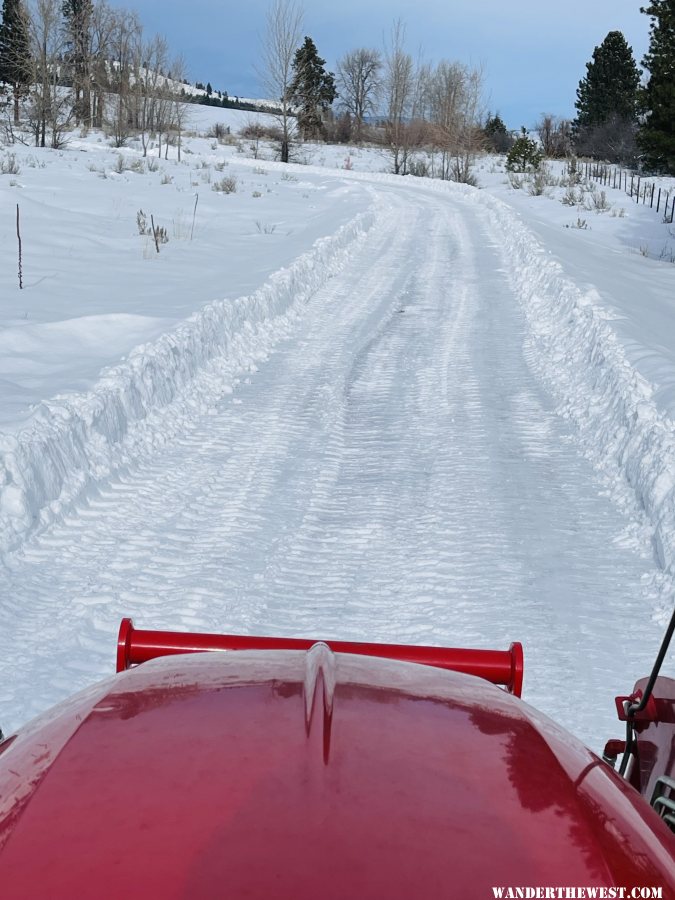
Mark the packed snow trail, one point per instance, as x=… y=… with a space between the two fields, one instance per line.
x=391 y=471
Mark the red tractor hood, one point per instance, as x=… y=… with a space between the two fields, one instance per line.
x=285 y=775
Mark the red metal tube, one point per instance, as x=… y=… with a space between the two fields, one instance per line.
x=498 y=666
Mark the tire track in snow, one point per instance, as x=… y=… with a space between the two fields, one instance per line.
x=391 y=471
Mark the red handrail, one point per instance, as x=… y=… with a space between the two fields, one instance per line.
x=498 y=666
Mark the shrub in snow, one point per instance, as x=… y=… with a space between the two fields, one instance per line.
x=417 y=167
x=572 y=197
x=227 y=185
x=161 y=235
x=598 y=200
x=142 y=222
x=537 y=183
x=219 y=131
x=516 y=181
x=9 y=165
x=541 y=179
x=157 y=232
x=573 y=174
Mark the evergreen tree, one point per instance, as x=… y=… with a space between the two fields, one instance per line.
x=15 y=51
x=78 y=17
x=657 y=135
x=524 y=156
x=312 y=90
x=609 y=89
x=497 y=137
x=495 y=125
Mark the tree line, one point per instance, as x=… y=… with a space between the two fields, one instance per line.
x=385 y=96
x=80 y=62
x=623 y=115
x=620 y=116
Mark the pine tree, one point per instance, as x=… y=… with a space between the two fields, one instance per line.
x=524 y=156
x=312 y=90
x=15 y=51
x=78 y=16
x=497 y=137
x=657 y=134
x=495 y=125
x=609 y=89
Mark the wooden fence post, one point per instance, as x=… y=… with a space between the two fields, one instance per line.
x=18 y=235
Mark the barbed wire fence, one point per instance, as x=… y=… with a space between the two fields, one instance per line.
x=639 y=189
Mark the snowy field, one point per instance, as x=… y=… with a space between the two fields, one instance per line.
x=335 y=404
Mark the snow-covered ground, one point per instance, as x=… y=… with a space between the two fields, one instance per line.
x=344 y=405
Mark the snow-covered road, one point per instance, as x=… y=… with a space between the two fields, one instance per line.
x=391 y=470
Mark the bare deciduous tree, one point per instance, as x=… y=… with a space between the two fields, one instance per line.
x=149 y=87
x=103 y=26
x=50 y=107
x=125 y=37
x=615 y=141
x=400 y=93
x=452 y=99
x=280 y=41
x=555 y=135
x=359 y=85
x=470 y=137
x=445 y=88
x=178 y=109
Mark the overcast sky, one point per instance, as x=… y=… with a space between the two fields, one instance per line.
x=533 y=52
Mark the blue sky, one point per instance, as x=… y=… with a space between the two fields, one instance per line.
x=533 y=52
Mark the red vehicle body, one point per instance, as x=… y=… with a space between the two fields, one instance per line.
x=293 y=769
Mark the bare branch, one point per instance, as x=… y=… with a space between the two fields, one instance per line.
x=282 y=37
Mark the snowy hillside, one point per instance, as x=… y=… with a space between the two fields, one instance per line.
x=332 y=403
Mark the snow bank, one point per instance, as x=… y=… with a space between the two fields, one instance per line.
x=74 y=441
x=575 y=349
